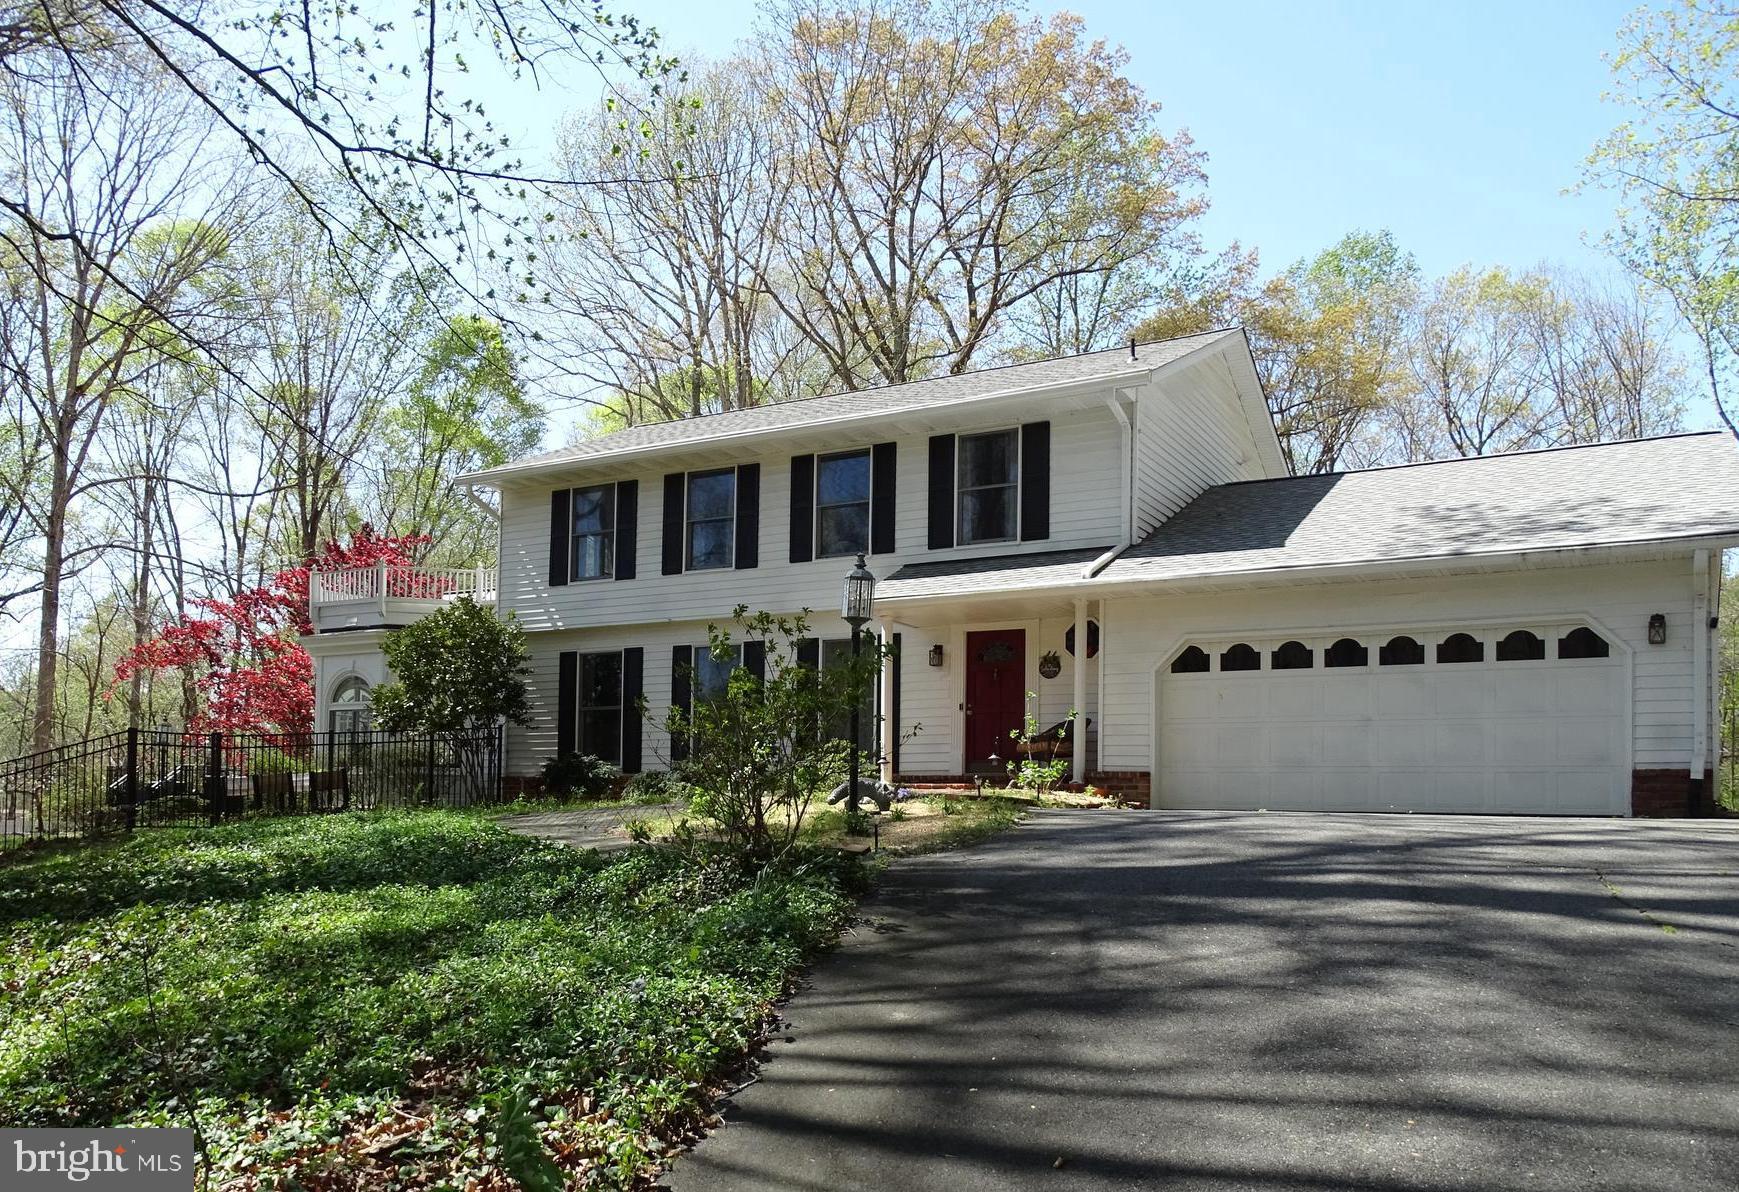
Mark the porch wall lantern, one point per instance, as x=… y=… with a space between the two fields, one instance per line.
x=1657 y=629
x=936 y=654
x=855 y=606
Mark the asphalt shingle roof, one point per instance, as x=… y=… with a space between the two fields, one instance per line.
x=1640 y=491
x=870 y=403
x=993 y=573
x=1643 y=490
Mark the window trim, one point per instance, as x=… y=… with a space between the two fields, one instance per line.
x=868 y=502
x=581 y=707
x=362 y=708
x=959 y=489
x=574 y=536
x=689 y=522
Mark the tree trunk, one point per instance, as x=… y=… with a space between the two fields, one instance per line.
x=48 y=625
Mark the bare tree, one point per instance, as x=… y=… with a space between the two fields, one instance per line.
x=106 y=164
x=950 y=162
x=659 y=283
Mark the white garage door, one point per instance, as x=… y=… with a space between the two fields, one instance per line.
x=1500 y=721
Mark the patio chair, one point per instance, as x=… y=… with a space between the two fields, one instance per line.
x=1052 y=743
x=274 y=792
x=329 y=790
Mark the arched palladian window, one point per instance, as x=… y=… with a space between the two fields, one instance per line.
x=1460 y=647
x=1402 y=651
x=1583 y=642
x=1293 y=656
x=1346 y=652
x=1521 y=646
x=1193 y=661
x=349 y=712
x=1240 y=658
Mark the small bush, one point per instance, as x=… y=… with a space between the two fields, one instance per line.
x=578 y=774
x=657 y=786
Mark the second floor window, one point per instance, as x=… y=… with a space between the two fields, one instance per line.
x=989 y=487
x=594 y=553
x=712 y=519
x=842 y=504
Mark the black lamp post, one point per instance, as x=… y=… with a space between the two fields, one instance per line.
x=854 y=606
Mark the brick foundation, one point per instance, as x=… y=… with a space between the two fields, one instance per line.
x=1134 y=787
x=1659 y=792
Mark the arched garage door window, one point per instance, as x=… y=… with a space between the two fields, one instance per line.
x=350 y=712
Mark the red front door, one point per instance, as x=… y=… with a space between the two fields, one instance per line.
x=995 y=694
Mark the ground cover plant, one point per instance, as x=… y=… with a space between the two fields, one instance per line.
x=399 y=1000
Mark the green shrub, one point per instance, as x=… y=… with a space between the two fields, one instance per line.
x=298 y=980
x=657 y=786
x=578 y=775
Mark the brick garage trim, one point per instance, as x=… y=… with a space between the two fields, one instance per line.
x=1659 y=793
x=1130 y=786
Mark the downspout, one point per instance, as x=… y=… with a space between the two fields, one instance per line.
x=1126 y=522
x=1703 y=676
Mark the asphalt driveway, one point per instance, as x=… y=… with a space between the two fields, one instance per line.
x=1242 y=1001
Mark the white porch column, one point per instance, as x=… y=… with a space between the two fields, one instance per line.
x=890 y=730
x=1078 y=751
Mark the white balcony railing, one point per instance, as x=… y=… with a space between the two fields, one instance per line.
x=385 y=585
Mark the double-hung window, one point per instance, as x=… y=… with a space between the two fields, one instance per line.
x=842 y=504
x=988 y=484
x=594 y=551
x=713 y=675
x=601 y=706
x=712 y=519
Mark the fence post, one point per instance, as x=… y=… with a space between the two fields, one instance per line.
x=216 y=789
x=429 y=787
x=132 y=776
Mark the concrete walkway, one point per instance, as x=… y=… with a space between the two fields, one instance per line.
x=583 y=827
x=1246 y=1001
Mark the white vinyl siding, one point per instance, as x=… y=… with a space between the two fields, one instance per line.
x=1617 y=599
x=1085 y=446
x=1190 y=435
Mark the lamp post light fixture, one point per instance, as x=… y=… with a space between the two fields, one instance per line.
x=855 y=605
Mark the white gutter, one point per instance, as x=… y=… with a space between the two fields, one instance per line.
x=1126 y=520
x=1700 y=668
x=1473 y=562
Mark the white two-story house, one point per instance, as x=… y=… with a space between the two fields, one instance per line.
x=1117 y=533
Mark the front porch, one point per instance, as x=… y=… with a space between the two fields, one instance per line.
x=974 y=670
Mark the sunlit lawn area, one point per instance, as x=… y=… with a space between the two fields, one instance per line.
x=340 y=1002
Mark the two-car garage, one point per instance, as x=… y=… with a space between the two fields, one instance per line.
x=1526 y=719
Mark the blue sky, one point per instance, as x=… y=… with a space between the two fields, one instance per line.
x=1462 y=128
x=1457 y=126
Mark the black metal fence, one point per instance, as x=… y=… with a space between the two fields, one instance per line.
x=153 y=778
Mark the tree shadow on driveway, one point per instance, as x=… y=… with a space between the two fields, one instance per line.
x=1220 y=1001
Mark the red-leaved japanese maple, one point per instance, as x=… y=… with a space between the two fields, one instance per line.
x=249 y=672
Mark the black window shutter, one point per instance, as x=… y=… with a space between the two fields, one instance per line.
x=748 y=515
x=882 y=466
x=809 y=657
x=802 y=508
x=895 y=663
x=567 y=700
x=561 y=529
x=681 y=659
x=1035 y=481
x=627 y=527
x=755 y=658
x=675 y=489
x=941 y=491
x=633 y=687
